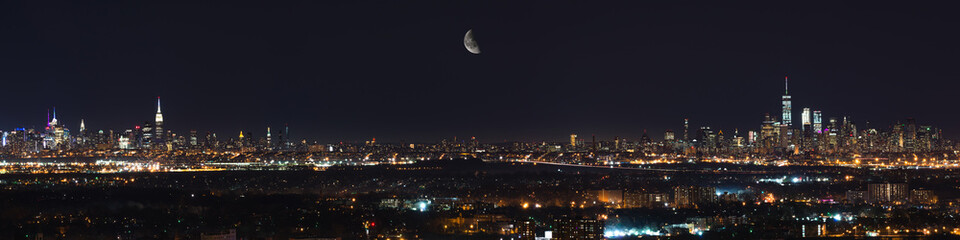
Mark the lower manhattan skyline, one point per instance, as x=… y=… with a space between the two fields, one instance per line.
x=542 y=75
x=481 y=120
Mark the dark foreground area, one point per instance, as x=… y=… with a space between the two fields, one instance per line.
x=471 y=199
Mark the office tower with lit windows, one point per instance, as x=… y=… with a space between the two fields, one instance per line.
x=806 y=129
x=817 y=121
x=925 y=138
x=668 y=136
x=686 y=129
x=832 y=133
x=193 y=138
x=910 y=134
x=805 y=119
x=146 y=137
x=738 y=140
x=768 y=132
x=706 y=138
x=573 y=140
x=786 y=120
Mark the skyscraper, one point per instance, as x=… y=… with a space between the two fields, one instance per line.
x=269 y=142
x=193 y=138
x=573 y=140
x=158 y=128
x=285 y=139
x=817 y=122
x=56 y=133
x=787 y=120
x=686 y=129
x=83 y=132
x=768 y=131
x=805 y=118
x=910 y=134
x=147 y=137
x=593 y=142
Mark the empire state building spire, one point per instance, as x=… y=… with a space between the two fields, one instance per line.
x=159 y=118
x=158 y=129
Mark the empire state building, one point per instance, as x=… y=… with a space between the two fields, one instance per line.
x=158 y=130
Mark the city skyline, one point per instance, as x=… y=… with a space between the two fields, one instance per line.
x=546 y=70
x=809 y=119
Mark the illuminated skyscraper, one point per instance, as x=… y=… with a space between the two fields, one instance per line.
x=193 y=138
x=817 y=122
x=706 y=137
x=158 y=128
x=147 y=138
x=573 y=140
x=787 y=108
x=53 y=122
x=768 y=131
x=910 y=134
x=686 y=129
x=56 y=134
x=83 y=133
x=269 y=142
x=805 y=118
x=240 y=139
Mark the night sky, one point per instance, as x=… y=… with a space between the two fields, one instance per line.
x=397 y=70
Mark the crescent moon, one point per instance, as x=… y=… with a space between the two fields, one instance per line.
x=470 y=43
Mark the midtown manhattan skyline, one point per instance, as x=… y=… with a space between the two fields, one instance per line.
x=399 y=71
